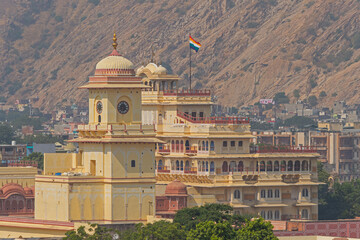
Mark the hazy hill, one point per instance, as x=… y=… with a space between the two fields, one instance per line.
x=252 y=49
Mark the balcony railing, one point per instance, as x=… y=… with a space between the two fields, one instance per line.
x=163 y=169
x=219 y=120
x=186 y=93
x=17 y=163
x=282 y=149
x=164 y=151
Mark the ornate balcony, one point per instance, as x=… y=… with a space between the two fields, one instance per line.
x=216 y=120
x=183 y=93
x=282 y=149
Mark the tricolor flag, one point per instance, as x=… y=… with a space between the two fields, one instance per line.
x=194 y=44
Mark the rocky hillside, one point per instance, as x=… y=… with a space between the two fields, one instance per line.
x=252 y=49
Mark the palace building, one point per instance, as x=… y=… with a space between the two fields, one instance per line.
x=214 y=158
x=144 y=132
x=111 y=179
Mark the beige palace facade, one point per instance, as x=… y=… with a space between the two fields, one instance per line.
x=144 y=132
x=214 y=158
x=112 y=178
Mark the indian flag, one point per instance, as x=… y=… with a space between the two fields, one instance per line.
x=194 y=44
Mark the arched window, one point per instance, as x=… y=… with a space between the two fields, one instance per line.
x=305 y=166
x=99 y=119
x=263 y=194
x=277 y=193
x=241 y=166
x=132 y=163
x=237 y=194
x=203 y=166
x=207 y=166
x=225 y=166
x=270 y=193
x=28 y=204
x=199 y=146
x=297 y=166
x=305 y=192
x=203 y=146
x=212 y=167
x=7 y=205
x=177 y=165
x=14 y=205
x=262 y=166
x=269 y=215
x=290 y=166
x=177 y=146
x=21 y=204
x=277 y=215
x=283 y=166
x=276 y=166
x=263 y=215
x=207 y=146
x=173 y=146
x=232 y=166
x=304 y=214
x=212 y=146
x=160 y=165
x=181 y=146
x=187 y=166
x=187 y=145
x=182 y=165
x=269 y=166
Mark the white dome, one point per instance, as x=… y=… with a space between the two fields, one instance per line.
x=161 y=70
x=115 y=63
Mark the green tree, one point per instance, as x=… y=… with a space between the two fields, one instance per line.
x=6 y=134
x=161 y=230
x=322 y=94
x=37 y=157
x=299 y=122
x=257 y=229
x=312 y=100
x=94 y=232
x=280 y=98
x=190 y=217
x=296 y=94
x=212 y=231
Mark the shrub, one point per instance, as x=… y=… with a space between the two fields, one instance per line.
x=95 y=2
x=297 y=56
x=322 y=94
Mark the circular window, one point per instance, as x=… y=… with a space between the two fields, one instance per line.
x=123 y=107
x=99 y=107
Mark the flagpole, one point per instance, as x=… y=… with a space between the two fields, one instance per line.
x=190 y=66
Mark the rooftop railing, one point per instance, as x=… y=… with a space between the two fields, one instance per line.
x=283 y=149
x=17 y=163
x=218 y=120
x=186 y=92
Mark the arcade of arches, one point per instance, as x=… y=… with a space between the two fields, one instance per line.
x=16 y=200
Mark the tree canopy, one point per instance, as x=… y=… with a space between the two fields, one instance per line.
x=281 y=97
x=6 y=134
x=37 y=157
x=190 y=217
x=208 y=222
x=299 y=122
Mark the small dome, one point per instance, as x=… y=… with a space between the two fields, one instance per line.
x=161 y=70
x=152 y=67
x=114 y=62
x=138 y=71
x=176 y=188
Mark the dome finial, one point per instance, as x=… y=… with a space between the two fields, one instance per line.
x=114 y=43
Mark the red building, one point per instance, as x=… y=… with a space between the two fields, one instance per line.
x=174 y=199
x=16 y=200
